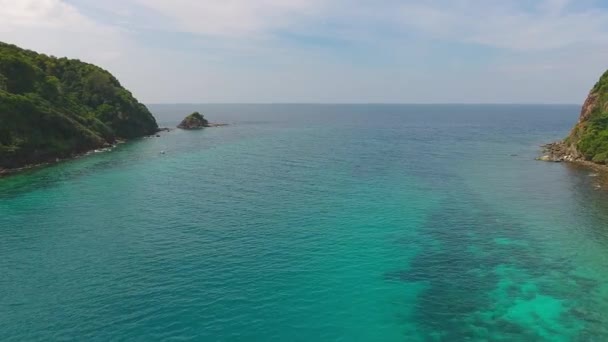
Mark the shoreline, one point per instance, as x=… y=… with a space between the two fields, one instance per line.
x=559 y=152
x=590 y=165
x=6 y=172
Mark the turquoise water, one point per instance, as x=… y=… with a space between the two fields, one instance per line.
x=312 y=223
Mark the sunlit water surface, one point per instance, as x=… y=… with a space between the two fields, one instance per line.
x=312 y=223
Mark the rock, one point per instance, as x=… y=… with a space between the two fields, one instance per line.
x=558 y=152
x=194 y=121
x=586 y=141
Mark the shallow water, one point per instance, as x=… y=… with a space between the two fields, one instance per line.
x=307 y=222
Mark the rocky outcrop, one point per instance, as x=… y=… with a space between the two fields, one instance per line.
x=588 y=107
x=588 y=140
x=558 y=152
x=194 y=121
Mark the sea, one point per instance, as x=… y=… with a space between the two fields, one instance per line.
x=301 y=222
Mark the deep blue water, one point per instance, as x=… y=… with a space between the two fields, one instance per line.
x=312 y=223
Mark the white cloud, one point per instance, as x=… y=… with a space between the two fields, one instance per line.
x=233 y=17
x=37 y=13
x=511 y=25
x=55 y=27
x=334 y=50
x=508 y=26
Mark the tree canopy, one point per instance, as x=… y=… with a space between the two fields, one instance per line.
x=590 y=136
x=54 y=107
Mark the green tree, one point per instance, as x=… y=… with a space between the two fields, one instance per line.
x=54 y=107
x=50 y=88
x=20 y=74
x=3 y=83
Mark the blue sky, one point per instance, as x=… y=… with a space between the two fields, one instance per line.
x=337 y=51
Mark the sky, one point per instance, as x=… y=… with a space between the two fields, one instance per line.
x=327 y=51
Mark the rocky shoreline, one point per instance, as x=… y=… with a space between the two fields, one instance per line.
x=106 y=148
x=587 y=143
x=561 y=152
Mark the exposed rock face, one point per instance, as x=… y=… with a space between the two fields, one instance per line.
x=194 y=121
x=588 y=107
x=588 y=140
x=559 y=152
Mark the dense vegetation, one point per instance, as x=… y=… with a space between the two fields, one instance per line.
x=56 y=107
x=194 y=121
x=589 y=138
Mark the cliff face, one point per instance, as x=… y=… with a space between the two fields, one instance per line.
x=57 y=107
x=588 y=140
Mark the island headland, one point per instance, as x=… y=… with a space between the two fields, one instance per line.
x=587 y=142
x=56 y=108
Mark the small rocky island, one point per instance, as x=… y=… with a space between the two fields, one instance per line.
x=588 y=140
x=197 y=121
x=194 y=121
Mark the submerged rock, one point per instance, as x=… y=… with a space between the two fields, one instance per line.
x=194 y=121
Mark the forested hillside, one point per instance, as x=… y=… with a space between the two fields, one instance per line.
x=57 y=107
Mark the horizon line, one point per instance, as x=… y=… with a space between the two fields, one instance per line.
x=370 y=103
